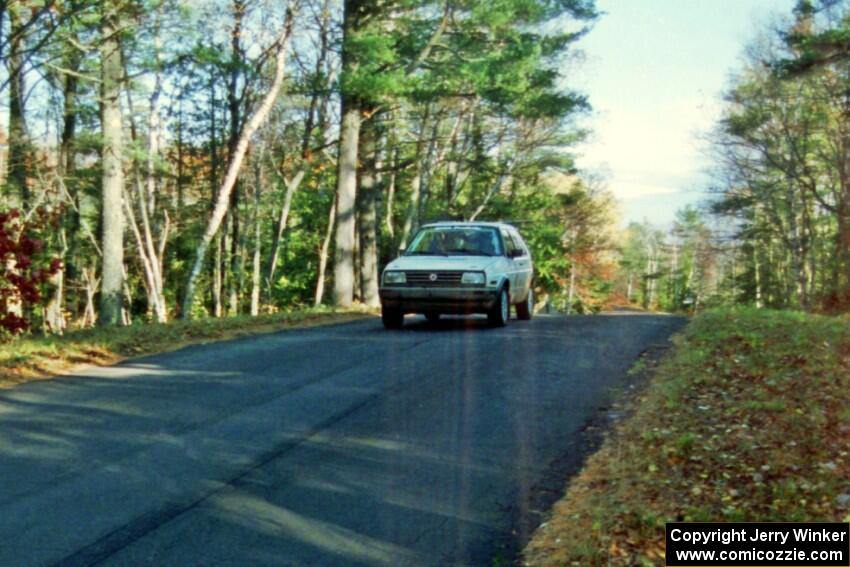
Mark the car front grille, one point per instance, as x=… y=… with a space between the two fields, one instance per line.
x=437 y=278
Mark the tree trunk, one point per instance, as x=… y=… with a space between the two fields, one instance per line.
x=357 y=294
x=180 y=180
x=346 y=194
x=255 y=272
x=218 y=278
x=504 y=176
x=91 y=285
x=54 y=314
x=237 y=61
x=349 y=133
x=796 y=248
x=757 y=270
x=674 y=276
x=432 y=162
x=461 y=173
x=235 y=164
x=411 y=219
x=18 y=166
x=368 y=216
x=494 y=190
x=112 y=238
x=315 y=115
x=291 y=187
x=54 y=318
x=234 y=273
x=388 y=213
x=145 y=199
x=653 y=268
x=152 y=286
x=323 y=257
x=843 y=253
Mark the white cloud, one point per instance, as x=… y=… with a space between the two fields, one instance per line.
x=660 y=140
x=649 y=149
x=626 y=190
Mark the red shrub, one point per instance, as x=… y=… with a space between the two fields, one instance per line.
x=24 y=267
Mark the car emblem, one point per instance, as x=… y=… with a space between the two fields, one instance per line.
x=433 y=277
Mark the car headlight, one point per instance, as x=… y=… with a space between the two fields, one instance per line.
x=394 y=278
x=472 y=278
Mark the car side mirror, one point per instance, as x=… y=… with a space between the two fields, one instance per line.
x=515 y=254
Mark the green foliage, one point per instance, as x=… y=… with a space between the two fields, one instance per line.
x=781 y=155
x=297 y=280
x=376 y=76
x=466 y=98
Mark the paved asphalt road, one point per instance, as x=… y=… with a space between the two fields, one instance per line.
x=340 y=445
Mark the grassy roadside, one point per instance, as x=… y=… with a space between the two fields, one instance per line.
x=747 y=419
x=43 y=357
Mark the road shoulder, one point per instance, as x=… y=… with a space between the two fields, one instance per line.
x=39 y=358
x=732 y=427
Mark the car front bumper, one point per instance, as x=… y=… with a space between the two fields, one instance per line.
x=442 y=300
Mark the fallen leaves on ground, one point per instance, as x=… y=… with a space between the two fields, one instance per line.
x=747 y=419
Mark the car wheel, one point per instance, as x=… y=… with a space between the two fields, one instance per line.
x=432 y=317
x=525 y=310
x=392 y=318
x=498 y=315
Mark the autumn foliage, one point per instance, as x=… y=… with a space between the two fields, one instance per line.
x=25 y=267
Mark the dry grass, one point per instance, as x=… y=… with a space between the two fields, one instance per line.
x=746 y=420
x=28 y=359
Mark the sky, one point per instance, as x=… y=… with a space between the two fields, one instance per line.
x=654 y=72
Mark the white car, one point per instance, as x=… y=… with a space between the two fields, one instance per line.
x=459 y=267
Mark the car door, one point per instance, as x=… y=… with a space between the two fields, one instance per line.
x=522 y=266
x=511 y=253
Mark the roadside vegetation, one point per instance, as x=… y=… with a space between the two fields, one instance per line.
x=35 y=358
x=747 y=419
x=777 y=232
x=165 y=159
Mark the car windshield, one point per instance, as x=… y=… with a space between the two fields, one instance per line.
x=456 y=241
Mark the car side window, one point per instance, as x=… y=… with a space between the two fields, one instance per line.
x=516 y=245
x=510 y=245
x=495 y=245
x=520 y=243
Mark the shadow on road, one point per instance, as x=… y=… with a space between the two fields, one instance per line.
x=446 y=323
x=345 y=445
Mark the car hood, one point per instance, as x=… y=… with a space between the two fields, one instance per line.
x=442 y=263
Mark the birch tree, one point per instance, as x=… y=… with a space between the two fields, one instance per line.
x=222 y=200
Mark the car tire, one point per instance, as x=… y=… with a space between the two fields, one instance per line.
x=392 y=318
x=433 y=318
x=498 y=314
x=525 y=309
